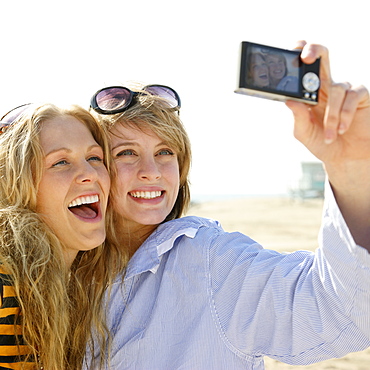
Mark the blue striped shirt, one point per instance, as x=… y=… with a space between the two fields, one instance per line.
x=197 y=297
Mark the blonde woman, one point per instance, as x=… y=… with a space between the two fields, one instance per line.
x=54 y=187
x=196 y=297
x=258 y=72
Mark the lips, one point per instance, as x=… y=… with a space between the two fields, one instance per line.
x=278 y=73
x=85 y=207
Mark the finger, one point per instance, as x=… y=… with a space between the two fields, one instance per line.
x=302 y=119
x=356 y=98
x=363 y=96
x=300 y=44
x=334 y=109
x=310 y=53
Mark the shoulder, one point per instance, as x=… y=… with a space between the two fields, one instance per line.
x=196 y=221
x=188 y=228
x=201 y=233
x=7 y=292
x=185 y=226
x=288 y=83
x=5 y=279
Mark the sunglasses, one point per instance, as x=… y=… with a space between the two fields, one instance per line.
x=117 y=99
x=12 y=116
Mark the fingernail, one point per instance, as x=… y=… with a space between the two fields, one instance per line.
x=306 y=52
x=329 y=136
x=341 y=129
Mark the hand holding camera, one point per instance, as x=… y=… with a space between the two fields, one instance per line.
x=331 y=119
x=337 y=129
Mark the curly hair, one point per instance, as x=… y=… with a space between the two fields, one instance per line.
x=58 y=304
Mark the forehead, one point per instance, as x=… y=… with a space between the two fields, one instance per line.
x=145 y=131
x=63 y=130
x=63 y=123
x=258 y=59
x=274 y=57
x=132 y=132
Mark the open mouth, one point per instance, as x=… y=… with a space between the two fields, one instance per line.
x=85 y=207
x=146 y=194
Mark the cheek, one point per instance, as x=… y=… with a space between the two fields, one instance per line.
x=122 y=179
x=104 y=179
x=173 y=177
x=119 y=188
x=52 y=192
x=50 y=210
x=42 y=205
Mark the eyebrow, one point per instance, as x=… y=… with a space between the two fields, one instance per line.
x=134 y=143
x=67 y=150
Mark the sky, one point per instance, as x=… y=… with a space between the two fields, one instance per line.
x=63 y=51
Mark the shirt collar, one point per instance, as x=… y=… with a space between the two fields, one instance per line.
x=148 y=256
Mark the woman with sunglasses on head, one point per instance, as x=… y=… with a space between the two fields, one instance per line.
x=280 y=78
x=53 y=198
x=196 y=297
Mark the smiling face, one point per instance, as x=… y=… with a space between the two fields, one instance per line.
x=259 y=70
x=276 y=67
x=147 y=178
x=73 y=192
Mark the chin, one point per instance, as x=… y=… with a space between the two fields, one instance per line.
x=93 y=243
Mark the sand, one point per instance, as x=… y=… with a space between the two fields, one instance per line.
x=282 y=224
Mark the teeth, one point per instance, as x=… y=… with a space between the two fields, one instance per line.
x=84 y=200
x=146 y=194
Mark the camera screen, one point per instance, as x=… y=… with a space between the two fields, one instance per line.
x=272 y=69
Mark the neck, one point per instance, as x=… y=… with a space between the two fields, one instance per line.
x=131 y=238
x=69 y=257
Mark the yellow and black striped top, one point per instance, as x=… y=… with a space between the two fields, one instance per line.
x=12 y=347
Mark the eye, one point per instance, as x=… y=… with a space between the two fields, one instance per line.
x=95 y=158
x=125 y=152
x=60 y=163
x=165 y=152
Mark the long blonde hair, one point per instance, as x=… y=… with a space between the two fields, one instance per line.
x=58 y=304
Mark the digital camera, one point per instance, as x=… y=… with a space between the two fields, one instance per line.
x=277 y=74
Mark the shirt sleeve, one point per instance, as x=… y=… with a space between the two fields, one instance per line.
x=298 y=308
x=12 y=351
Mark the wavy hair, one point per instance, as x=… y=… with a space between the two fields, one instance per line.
x=58 y=305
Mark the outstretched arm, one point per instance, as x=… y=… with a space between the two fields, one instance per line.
x=337 y=131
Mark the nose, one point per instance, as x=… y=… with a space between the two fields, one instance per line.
x=86 y=173
x=149 y=169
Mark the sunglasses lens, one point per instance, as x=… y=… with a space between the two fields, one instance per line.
x=114 y=98
x=12 y=116
x=166 y=93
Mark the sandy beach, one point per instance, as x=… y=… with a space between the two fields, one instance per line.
x=282 y=224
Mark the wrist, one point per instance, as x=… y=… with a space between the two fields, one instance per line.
x=350 y=183
x=350 y=178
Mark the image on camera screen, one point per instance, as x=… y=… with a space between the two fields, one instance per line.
x=272 y=69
